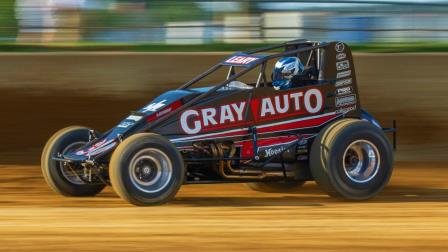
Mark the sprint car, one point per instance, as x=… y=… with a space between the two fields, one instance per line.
x=273 y=140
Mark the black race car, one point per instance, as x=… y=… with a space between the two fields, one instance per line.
x=274 y=140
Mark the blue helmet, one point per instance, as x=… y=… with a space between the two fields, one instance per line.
x=284 y=69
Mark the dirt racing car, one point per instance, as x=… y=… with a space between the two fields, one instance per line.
x=272 y=139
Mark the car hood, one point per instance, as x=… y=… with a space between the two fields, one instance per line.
x=158 y=107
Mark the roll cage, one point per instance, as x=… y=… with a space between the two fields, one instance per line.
x=291 y=48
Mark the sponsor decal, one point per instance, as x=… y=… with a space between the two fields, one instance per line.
x=268 y=147
x=193 y=121
x=99 y=147
x=241 y=60
x=153 y=107
x=343 y=91
x=104 y=148
x=339 y=47
x=129 y=121
x=134 y=118
x=343 y=82
x=309 y=101
x=342 y=65
x=165 y=111
x=273 y=151
x=344 y=74
x=345 y=100
x=345 y=110
x=341 y=56
x=125 y=124
x=283 y=126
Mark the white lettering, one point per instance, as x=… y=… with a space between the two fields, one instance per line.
x=318 y=98
x=267 y=107
x=192 y=121
x=184 y=122
x=239 y=110
x=134 y=118
x=208 y=115
x=226 y=114
x=296 y=97
x=285 y=104
x=154 y=106
x=241 y=60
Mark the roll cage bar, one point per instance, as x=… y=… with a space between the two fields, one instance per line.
x=309 y=46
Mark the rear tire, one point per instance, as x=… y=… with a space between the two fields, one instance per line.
x=146 y=169
x=276 y=187
x=352 y=159
x=57 y=176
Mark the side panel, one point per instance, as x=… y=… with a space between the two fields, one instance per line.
x=278 y=117
x=223 y=115
x=338 y=67
x=286 y=116
x=282 y=110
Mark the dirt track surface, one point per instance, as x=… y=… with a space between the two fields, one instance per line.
x=411 y=214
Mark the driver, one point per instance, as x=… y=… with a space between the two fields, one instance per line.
x=284 y=70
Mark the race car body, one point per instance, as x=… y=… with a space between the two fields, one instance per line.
x=235 y=132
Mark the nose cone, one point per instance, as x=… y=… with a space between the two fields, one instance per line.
x=92 y=149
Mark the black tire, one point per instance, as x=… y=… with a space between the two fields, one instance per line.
x=337 y=154
x=53 y=170
x=135 y=165
x=276 y=187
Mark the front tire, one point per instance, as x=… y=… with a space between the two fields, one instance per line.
x=352 y=159
x=146 y=169
x=57 y=174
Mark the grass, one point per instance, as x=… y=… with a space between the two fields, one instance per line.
x=123 y=47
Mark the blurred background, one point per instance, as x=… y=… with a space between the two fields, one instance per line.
x=205 y=22
x=89 y=62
